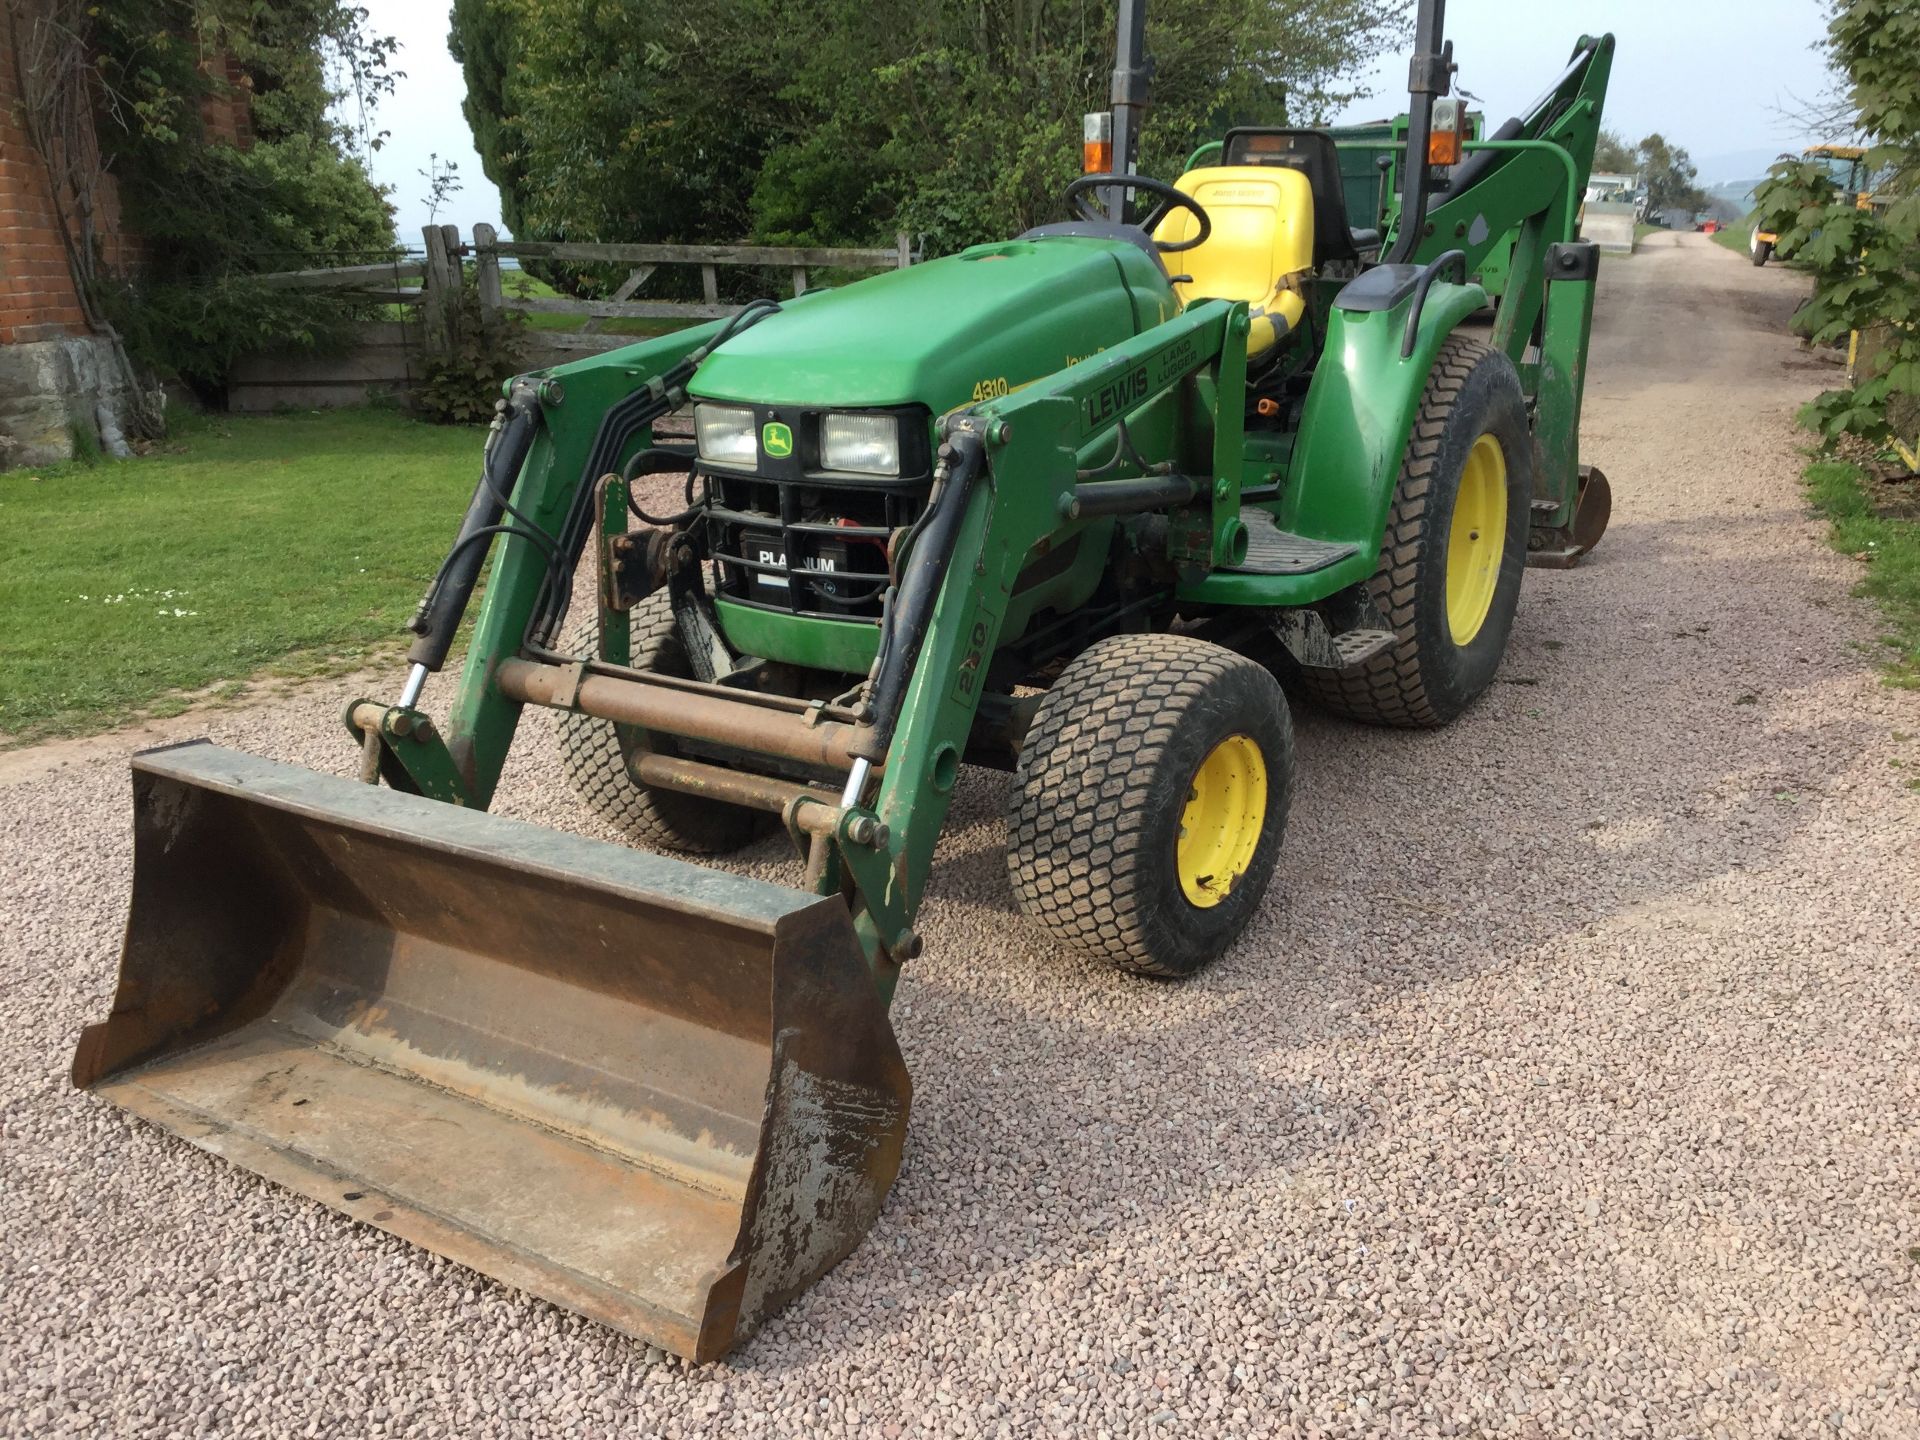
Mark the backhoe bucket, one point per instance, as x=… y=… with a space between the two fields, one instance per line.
x=664 y=1097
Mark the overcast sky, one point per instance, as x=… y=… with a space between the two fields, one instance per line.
x=1708 y=74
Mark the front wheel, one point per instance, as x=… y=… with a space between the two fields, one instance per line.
x=595 y=763
x=1150 y=800
x=1758 y=250
x=1453 y=551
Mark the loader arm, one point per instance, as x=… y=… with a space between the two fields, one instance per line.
x=1031 y=444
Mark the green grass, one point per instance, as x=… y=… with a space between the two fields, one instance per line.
x=246 y=546
x=1734 y=237
x=1887 y=536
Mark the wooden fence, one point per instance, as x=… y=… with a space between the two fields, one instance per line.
x=388 y=359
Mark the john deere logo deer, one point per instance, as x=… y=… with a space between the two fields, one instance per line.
x=776 y=439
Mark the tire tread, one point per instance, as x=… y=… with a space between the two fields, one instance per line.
x=1076 y=863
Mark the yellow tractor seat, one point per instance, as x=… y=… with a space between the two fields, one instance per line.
x=1262 y=243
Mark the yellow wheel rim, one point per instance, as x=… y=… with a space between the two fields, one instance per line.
x=1220 y=826
x=1477 y=540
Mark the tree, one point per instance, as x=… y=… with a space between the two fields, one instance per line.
x=1614 y=156
x=1865 y=262
x=209 y=215
x=443 y=183
x=481 y=39
x=1668 y=173
x=960 y=122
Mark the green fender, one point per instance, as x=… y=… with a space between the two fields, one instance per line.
x=1359 y=414
x=1346 y=461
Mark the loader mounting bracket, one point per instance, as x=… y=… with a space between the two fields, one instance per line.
x=411 y=756
x=866 y=849
x=633 y=564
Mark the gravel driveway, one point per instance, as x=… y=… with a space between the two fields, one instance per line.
x=1567 y=1084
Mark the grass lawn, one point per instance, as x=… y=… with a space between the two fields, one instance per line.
x=1734 y=237
x=1880 y=523
x=246 y=545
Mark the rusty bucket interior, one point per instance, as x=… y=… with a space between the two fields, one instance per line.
x=662 y=1096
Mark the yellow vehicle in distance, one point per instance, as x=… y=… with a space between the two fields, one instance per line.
x=1846 y=167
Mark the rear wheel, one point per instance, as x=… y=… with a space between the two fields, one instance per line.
x=1150 y=801
x=594 y=765
x=1758 y=250
x=1453 y=551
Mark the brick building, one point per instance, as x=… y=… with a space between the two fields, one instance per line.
x=56 y=376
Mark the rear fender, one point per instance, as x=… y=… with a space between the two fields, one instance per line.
x=1359 y=413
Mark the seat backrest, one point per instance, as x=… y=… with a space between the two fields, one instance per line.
x=1262 y=232
x=1313 y=154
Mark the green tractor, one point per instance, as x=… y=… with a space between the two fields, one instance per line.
x=1061 y=505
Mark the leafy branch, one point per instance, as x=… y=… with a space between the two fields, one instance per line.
x=1863 y=252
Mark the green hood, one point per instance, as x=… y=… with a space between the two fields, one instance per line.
x=946 y=333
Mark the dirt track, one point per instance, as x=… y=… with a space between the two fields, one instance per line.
x=1568 y=1084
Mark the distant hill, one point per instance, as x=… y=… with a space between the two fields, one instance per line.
x=1718 y=171
x=1737 y=193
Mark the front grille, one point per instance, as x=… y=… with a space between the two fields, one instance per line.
x=806 y=547
x=788 y=534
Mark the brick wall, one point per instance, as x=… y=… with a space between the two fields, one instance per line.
x=36 y=289
x=229 y=119
x=37 y=299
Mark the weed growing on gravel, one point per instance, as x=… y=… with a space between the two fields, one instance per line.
x=289 y=544
x=1891 y=548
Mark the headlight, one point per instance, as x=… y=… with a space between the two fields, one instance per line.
x=865 y=444
x=725 y=434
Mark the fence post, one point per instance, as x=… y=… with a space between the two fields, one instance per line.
x=709 y=285
x=903 y=248
x=799 y=281
x=436 y=300
x=486 y=274
x=457 y=273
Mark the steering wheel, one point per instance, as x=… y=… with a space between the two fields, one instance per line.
x=1171 y=198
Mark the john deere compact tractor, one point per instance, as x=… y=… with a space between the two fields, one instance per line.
x=1060 y=504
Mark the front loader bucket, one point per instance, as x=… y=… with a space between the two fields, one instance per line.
x=662 y=1096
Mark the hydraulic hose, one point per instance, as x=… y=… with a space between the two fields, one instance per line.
x=926 y=566
x=445 y=603
x=662 y=395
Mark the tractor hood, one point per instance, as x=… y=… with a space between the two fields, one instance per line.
x=946 y=333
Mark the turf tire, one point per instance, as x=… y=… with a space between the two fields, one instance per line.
x=1426 y=680
x=1103 y=776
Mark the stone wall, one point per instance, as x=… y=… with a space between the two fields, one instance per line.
x=58 y=396
x=1608 y=225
